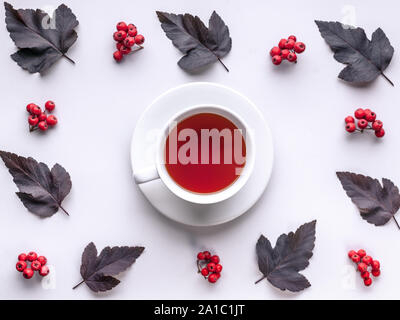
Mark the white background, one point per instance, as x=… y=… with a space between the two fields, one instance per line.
x=99 y=102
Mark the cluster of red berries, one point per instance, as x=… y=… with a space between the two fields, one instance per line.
x=126 y=37
x=287 y=49
x=39 y=119
x=37 y=264
x=363 y=262
x=209 y=266
x=366 y=121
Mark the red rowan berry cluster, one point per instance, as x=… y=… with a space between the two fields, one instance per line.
x=209 y=266
x=363 y=263
x=37 y=264
x=286 y=50
x=126 y=37
x=39 y=119
x=366 y=121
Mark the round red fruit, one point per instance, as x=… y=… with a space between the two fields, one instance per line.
x=292 y=38
x=277 y=60
x=351 y=253
x=200 y=256
x=43 y=125
x=119 y=45
x=215 y=259
x=375 y=265
x=30 y=106
x=22 y=257
x=51 y=120
x=132 y=31
x=50 y=105
x=44 y=271
x=213 y=278
x=35 y=265
x=275 y=51
x=356 y=258
x=119 y=35
x=362 y=124
x=350 y=127
x=377 y=125
x=42 y=260
x=292 y=57
x=282 y=43
x=125 y=50
x=33 y=120
x=367 y=260
x=118 y=55
x=207 y=255
x=370 y=116
x=129 y=42
x=362 y=267
x=365 y=275
x=218 y=268
x=299 y=47
x=367 y=282
x=21 y=265
x=285 y=53
x=28 y=273
x=361 y=253
x=376 y=273
x=349 y=119
x=205 y=272
x=121 y=26
x=42 y=117
x=380 y=133
x=32 y=256
x=290 y=44
x=139 y=39
x=211 y=266
x=36 y=110
x=359 y=113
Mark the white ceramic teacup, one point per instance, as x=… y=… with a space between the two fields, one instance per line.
x=159 y=171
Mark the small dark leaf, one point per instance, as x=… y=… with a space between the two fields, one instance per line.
x=41 y=40
x=365 y=59
x=376 y=204
x=97 y=271
x=201 y=45
x=292 y=252
x=40 y=190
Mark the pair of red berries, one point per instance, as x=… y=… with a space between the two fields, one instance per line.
x=286 y=50
x=209 y=266
x=363 y=262
x=37 y=264
x=126 y=37
x=365 y=117
x=39 y=119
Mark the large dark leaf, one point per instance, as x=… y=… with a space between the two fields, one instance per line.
x=366 y=59
x=281 y=265
x=42 y=40
x=98 y=271
x=41 y=190
x=376 y=204
x=201 y=45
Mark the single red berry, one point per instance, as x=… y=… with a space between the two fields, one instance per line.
x=350 y=127
x=299 y=47
x=131 y=25
x=119 y=35
x=213 y=278
x=51 y=120
x=36 y=110
x=365 y=275
x=282 y=43
x=367 y=260
x=376 y=273
x=380 y=133
x=367 y=282
x=377 y=125
x=205 y=272
x=349 y=119
x=30 y=106
x=207 y=255
x=359 y=113
x=132 y=31
x=211 y=266
x=375 y=265
x=43 y=125
x=370 y=116
x=33 y=120
x=362 y=124
x=289 y=44
x=42 y=116
x=218 y=268
x=32 y=256
x=362 y=267
x=218 y=274
x=292 y=57
x=118 y=55
x=50 y=105
x=139 y=39
x=200 y=256
x=22 y=257
x=42 y=260
x=35 y=265
x=129 y=42
x=285 y=53
x=361 y=253
x=292 y=38
x=215 y=259
x=121 y=26
x=277 y=60
x=125 y=50
x=351 y=253
x=119 y=45
x=21 y=265
x=44 y=271
x=28 y=273
x=356 y=258
x=275 y=51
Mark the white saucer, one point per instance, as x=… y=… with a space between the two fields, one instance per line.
x=143 y=151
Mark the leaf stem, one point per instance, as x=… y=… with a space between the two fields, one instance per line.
x=226 y=68
x=259 y=280
x=78 y=284
x=390 y=81
x=68 y=58
x=65 y=211
x=398 y=225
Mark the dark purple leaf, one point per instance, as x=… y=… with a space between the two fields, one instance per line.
x=201 y=45
x=376 y=204
x=40 y=190
x=98 y=271
x=365 y=59
x=292 y=252
x=41 y=40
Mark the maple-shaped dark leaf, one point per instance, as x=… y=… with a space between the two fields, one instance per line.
x=98 y=271
x=41 y=40
x=41 y=190
x=366 y=59
x=292 y=252
x=201 y=45
x=377 y=204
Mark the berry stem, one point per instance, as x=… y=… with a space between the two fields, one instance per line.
x=261 y=279
x=78 y=284
x=226 y=68
x=140 y=48
x=390 y=81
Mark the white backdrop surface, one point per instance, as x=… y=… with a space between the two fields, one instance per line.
x=99 y=103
